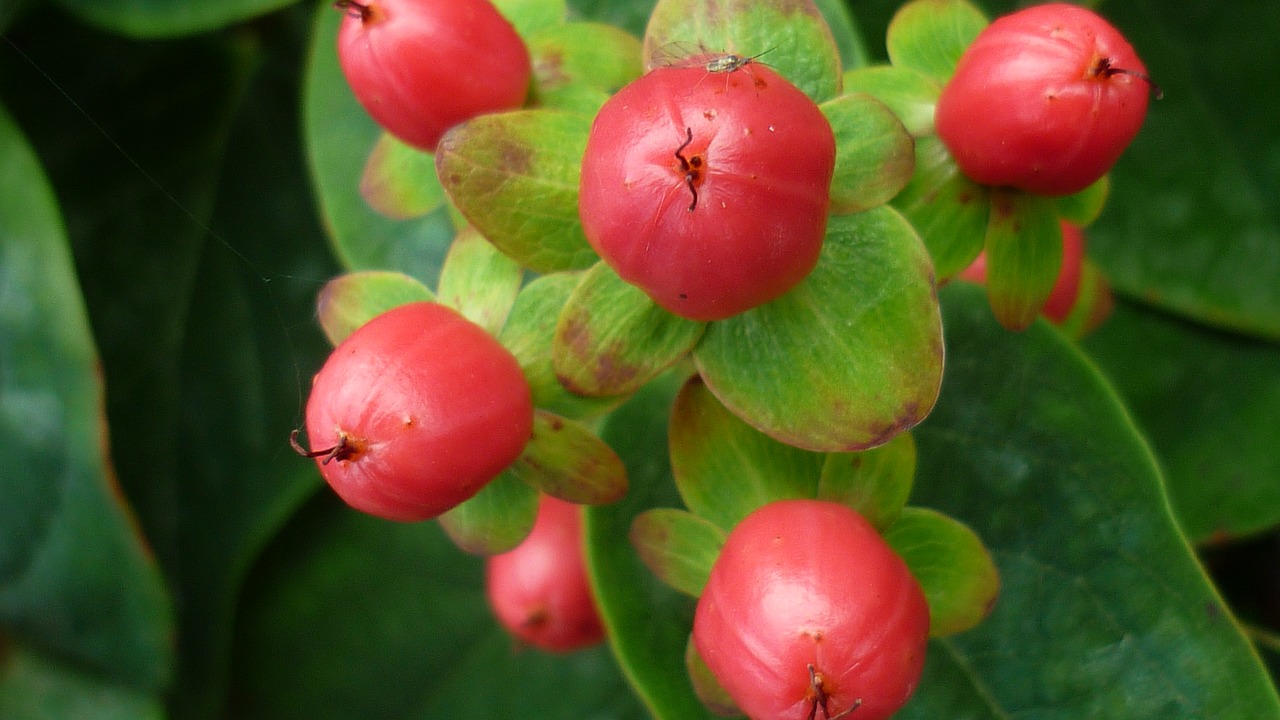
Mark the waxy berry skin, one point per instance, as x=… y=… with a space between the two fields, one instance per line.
x=419 y=67
x=539 y=590
x=1045 y=100
x=422 y=408
x=803 y=583
x=708 y=190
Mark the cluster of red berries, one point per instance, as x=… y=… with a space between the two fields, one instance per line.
x=706 y=183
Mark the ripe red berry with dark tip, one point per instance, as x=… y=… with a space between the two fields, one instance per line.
x=419 y=67
x=1045 y=100
x=416 y=411
x=1066 y=289
x=708 y=190
x=539 y=591
x=808 y=613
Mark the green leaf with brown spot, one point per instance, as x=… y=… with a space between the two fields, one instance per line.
x=351 y=300
x=949 y=210
x=566 y=460
x=611 y=338
x=951 y=564
x=929 y=36
x=875 y=156
x=848 y=358
x=792 y=36
x=530 y=17
x=910 y=94
x=875 y=482
x=578 y=65
x=515 y=177
x=399 y=181
x=478 y=281
x=677 y=546
x=724 y=468
x=496 y=519
x=1024 y=255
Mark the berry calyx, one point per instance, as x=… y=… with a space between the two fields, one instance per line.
x=808 y=613
x=415 y=412
x=419 y=68
x=1045 y=100
x=539 y=590
x=708 y=190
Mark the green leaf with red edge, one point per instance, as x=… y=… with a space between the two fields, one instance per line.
x=529 y=334
x=793 y=38
x=1024 y=256
x=495 y=519
x=352 y=299
x=339 y=135
x=564 y=459
x=399 y=180
x=529 y=17
x=1084 y=207
x=950 y=562
x=677 y=546
x=611 y=338
x=929 y=36
x=1207 y=400
x=875 y=482
x=910 y=94
x=724 y=468
x=875 y=157
x=848 y=358
x=515 y=176
x=77 y=579
x=578 y=65
x=950 y=211
x=478 y=281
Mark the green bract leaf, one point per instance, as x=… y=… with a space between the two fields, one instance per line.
x=479 y=281
x=399 y=181
x=1104 y=611
x=948 y=559
x=1207 y=401
x=351 y=300
x=1024 y=256
x=496 y=519
x=76 y=578
x=169 y=18
x=339 y=138
x=792 y=36
x=911 y=95
x=1085 y=206
x=847 y=359
x=874 y=482
x=529 y=17
x=529 y=334
x=874 y=154
x=576 y=66
x=515 y=177
x=949 y=210
x=929 y=36
x=677 y=546
x=611 y=338
x=566 y=460
x=724 y=468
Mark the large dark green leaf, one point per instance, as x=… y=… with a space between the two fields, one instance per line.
x=1193 y=222
x=1104 y=610
x=340 y=136
x=76 y=580
x=349 y=616
x=34 y=688
x=1207 y=400
x=163 y=18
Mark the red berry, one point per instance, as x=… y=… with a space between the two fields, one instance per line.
x=808 y=613
x=417 y=410
x=1066 y=289
x=708 y=190
x=419 y=67
x=539 y=590
x=1044 y=100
